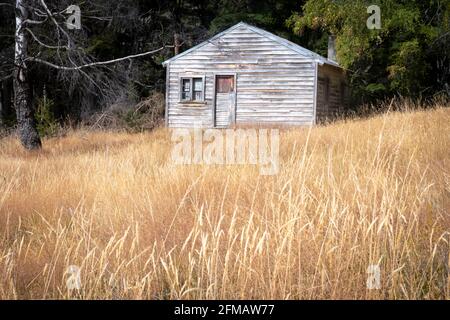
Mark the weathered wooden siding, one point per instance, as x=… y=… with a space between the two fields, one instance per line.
x=337 y=100
x=274 y=83
x=224 y=113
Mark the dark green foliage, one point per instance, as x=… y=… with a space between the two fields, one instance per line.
x=270 y=15
x=47 y=125
x=408 y=56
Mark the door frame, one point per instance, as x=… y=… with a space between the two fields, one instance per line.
x=233 y=116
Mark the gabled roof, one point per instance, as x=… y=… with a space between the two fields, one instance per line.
x=293 y=46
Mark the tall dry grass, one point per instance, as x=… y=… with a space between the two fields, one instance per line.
x=348 y=195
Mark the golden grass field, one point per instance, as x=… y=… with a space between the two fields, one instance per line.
x=348 y=195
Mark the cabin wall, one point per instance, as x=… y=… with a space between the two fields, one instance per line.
x=332 y=103
x=274 y=84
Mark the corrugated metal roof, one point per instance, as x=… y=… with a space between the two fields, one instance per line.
x=289 y=44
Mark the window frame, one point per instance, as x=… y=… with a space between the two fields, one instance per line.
x=191 y=79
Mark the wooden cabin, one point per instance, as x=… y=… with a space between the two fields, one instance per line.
x=246 y=75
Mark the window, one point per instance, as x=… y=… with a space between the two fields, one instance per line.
x=225 y=84
x=192 y=89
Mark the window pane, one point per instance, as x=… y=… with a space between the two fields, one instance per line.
x=198 y=95
x=186 y=89
x=198 y=89
x=186 y=96
x=198 y=84
x=186 y=85
x=225 y=84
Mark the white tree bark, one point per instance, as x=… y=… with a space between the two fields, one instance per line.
x=34 y=12
x=23 y=99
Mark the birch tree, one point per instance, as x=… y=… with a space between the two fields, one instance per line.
x=23 y=99
x=63 y=51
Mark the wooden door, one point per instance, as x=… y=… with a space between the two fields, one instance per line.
x=225 y=101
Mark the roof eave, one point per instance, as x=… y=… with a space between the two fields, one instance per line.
x=293 y=46
x=203 y=43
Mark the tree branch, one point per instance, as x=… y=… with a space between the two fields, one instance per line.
x=43 y=44
x=6 y=77
x=93 y=64
x=28 y=21
x=58 y=27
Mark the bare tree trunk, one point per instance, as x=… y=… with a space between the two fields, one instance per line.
x=177 y=43
x=23 y=98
